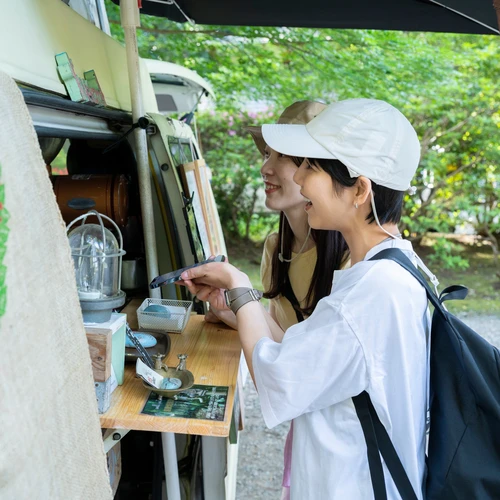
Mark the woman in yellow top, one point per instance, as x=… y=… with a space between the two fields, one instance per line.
x=289 y=274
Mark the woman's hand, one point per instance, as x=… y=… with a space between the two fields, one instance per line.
x=206 y=293
x=220 y=275
x=225 y=316
x=211 y=317
x=208 y=282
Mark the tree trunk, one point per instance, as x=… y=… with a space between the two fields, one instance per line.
x=234 y=218
x=494 y=246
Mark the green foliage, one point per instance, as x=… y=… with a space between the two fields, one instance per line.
x=263 y=224
x=447 y=85
x=278 y=65
x=483 y=298
x=235 y=162
x=458 y=179
x=445 y=255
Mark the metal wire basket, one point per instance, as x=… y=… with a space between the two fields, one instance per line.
x=173 y=320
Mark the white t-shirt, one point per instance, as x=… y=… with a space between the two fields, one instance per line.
x=368 y=334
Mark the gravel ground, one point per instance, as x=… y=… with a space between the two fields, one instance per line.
x=487 y=326
x=260 y=462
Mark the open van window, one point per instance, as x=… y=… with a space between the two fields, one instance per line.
x=92 y=10
x=94 y=158
x=182 y=151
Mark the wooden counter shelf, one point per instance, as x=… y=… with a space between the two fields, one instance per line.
x=213 y=357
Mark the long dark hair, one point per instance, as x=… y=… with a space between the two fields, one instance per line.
x=332 y=253
x=331 y=250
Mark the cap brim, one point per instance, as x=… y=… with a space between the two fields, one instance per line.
x=294 y=140
x=256 y=133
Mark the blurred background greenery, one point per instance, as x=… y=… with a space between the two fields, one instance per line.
x=446 y=84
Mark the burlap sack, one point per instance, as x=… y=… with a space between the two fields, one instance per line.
x=51 y=446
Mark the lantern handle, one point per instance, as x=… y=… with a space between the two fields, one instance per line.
x=98 y=215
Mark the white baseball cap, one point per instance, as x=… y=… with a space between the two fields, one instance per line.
x=370 y=137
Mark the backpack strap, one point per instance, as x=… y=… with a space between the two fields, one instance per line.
x=290 y=296
x=378 y=442
x=376 y=436
x=454 y=292
x=372 y=448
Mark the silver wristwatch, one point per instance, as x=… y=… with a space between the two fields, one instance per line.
x=238 y=297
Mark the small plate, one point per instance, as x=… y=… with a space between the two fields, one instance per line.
x=162 y=346
x=185 y=376
x=145 y=339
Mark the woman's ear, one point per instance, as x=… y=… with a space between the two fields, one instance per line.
x=363 y=189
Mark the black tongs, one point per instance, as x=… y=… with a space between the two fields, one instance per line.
x=174 y=276
x=140 y=348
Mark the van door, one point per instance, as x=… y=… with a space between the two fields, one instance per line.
x=187 y=214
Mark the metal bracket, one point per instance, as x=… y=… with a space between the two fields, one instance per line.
x=188 y=202
x=151 y=129
x=113 y=436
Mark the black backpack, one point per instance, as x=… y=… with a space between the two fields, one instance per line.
x=463 y=459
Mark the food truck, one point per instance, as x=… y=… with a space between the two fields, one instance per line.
x=77 y=103
x=143 y=172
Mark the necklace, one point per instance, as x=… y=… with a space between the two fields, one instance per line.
x=280 y=255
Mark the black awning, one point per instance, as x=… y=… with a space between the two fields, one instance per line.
x=406 y=15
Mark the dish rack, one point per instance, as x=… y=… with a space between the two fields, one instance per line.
x=157 y=321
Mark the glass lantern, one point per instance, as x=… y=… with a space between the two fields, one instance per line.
x=97 y=258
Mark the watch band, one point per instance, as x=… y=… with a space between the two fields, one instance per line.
x=234 y=293
x=238 y=297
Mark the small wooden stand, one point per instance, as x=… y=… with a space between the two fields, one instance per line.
x=214 y=354
x=107 y=349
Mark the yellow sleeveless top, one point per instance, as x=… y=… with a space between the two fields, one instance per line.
x=300 y=274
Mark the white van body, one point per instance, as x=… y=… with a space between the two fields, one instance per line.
x=34 y=31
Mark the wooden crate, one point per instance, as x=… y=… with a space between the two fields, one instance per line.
x=102 y=339
x=100 y=353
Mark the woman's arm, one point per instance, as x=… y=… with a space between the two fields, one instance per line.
x=254 y=323
x=226 y=316
x=229 y=318
x=273 y=324
x=218 y=307
x=252 y=327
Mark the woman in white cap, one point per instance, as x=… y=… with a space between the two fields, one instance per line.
x=298 y=262
x=369 y=335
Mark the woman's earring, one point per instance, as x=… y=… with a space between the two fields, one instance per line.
x=356 y=205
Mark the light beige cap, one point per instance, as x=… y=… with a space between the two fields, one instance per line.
x=298 y=113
